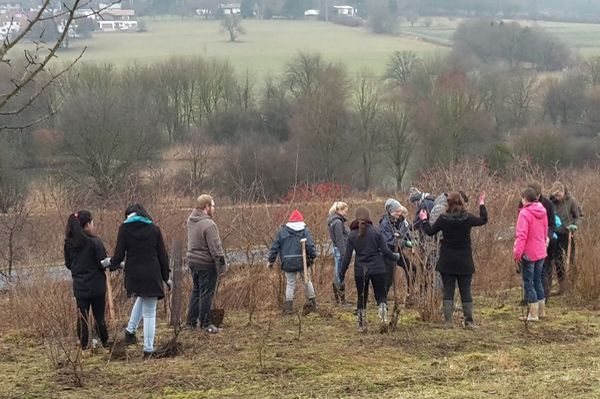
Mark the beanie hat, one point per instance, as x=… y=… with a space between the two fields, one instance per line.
x=362 y=213
x=296 y=216
x=415 y=195
x=392 y=205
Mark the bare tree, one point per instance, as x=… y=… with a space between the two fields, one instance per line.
x=398 y=137
x=36 y=62
x=233 y=25
x=14 y=213
x=401 y=66
x=302 y=72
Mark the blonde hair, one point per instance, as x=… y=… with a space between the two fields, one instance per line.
x=203 y=201
x=337 y=206
x=557 y=187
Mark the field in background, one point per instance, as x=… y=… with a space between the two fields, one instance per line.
x=265 y=49
x=582 y=38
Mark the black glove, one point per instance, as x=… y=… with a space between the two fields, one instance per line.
x=310 y=262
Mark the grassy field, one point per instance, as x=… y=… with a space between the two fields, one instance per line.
x=582 y=38
x=265 y=49
x=557 y=358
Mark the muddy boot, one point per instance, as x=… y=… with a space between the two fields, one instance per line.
x=312 y=304
x=130 y=338
x=533 y=314
x=361 y=319
x=542 y=309
x=343 y=303
x=468 y=321
x=288 y=307
x=383 y=313
x=448 y=312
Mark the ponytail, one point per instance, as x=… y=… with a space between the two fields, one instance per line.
x=74 y=234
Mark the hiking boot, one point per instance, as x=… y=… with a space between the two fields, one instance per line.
x=106 y=344
x=288 y=307
x=130 y=338
x=147 y=355
x=311 y=306
x=542 y=309
x=448 y=312
x=533 y=314
x=336 y=293
x=383 y=313
x=468 y=321
x=212 y=329
x=361 y=320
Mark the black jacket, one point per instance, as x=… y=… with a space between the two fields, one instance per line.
x=370 y=250
x=338 y=232
x=456 y=256
x=89 y=280
x=142 y=247
x=287 y=245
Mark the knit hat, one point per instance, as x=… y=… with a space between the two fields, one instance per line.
x=415 y=195
x=296 y=216
x=392 y=205
x=362 y=213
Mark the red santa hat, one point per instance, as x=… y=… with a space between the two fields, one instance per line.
x=296 y=217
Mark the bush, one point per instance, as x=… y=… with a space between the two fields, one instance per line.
x=347 y=20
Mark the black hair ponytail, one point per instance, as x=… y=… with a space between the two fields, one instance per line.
x=74 y=234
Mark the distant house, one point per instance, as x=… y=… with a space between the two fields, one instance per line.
x=346 y=10
x=9 y=7
x=8 y=28
x=117 y=19
x=231 y=9
x=312 y=13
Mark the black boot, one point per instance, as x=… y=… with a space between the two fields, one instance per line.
x=336 y=293
x=448 y=312
x=288 y=307
x=130 y=338
x=468 y=322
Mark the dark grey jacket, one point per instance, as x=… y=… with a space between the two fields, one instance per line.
x=287 y=246
x=338 y=232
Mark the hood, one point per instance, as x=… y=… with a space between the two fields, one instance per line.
x=295 y=226
x=197 y=216
x=135 y=218
x=139 y=230
x=536 y=209
x=355 y=223
x=334 y=217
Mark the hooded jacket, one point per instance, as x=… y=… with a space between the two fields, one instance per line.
x=389 y=226
x=338 y=232
x=531 y=233
x=287 y=245
x=204 y=248
x=140 y=243
x=370 y=251
x=89 y=280
x=456 y=256
x=568 y=211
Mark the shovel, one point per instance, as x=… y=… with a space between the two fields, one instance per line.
x=308 y=307
x=216 y=315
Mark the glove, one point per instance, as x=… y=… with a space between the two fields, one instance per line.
x=105 y=262
x=408 y=244
x=270 y=265
x=121 y=265
x=423 y=214
x=482 y=199
x=572 y=228
x=518 y=268
x=397 y=256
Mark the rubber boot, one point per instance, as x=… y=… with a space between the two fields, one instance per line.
x=448 y=312
x=468 y=321
x=542 y=309
x=533 y=314
x=361 y=319
x=288 y=308
x=383 y=313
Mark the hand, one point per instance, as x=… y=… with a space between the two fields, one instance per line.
x=269 y=265
x=105 y=262
x=482 y=198
x=518 y=268
x=572 y=228
x=169 y=284
x=423 y=215
x=121 y=265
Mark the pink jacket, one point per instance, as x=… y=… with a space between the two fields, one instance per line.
x=531 y=234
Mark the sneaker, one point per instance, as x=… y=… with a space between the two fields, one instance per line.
x=212 y=329
x=130 y=338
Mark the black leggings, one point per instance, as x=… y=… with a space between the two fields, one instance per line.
x=464 y=286
x=83 y=305
x=378 y=281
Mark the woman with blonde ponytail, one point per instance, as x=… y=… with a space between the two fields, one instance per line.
x=338 y=232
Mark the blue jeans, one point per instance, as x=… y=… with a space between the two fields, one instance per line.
x=337 y=266
x=144 y=307
x=532 y=280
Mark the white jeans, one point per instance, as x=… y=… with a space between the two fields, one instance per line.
x=144 y=307
x=291 y=278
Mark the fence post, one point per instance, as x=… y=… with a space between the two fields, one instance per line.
x=176 y=294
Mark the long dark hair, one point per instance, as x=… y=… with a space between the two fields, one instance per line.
x=363 y=217
x=74 y=234
x=138 y=209
x=456 y=203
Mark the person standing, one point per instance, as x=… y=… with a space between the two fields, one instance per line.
x=369 y=267
x=455 y=262
x=140 y=243
x=338 y=232
x=395 y=230
x=84 y=253
x=206 y=260
x=569 y=213
x=529 y=252
x=288 y=246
